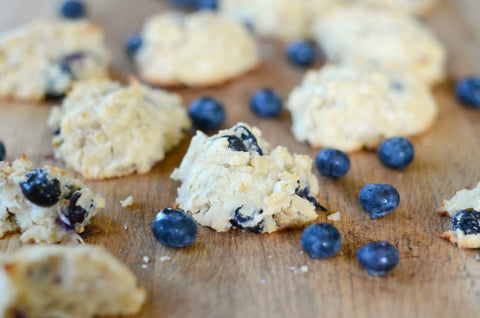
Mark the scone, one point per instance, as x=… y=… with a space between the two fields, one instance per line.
x=348 y=108
x=200 y=49
x=381 y=38
x=410 y=6
x=107 y=130
x=43 y=204
x=235 y=180
x=43 y=58
x=464 y=209
x=66 y=281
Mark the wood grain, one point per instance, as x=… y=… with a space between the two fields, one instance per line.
x=239 y=274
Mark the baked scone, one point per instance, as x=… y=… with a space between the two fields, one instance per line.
x=411 y=6
x=43 y=204
x=235 y=180
x=66 y=281
x=200 y=49
x=107 y=130
x=381 y=38
x=43 y=58
x=348 y=108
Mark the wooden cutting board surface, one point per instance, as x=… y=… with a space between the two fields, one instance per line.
x=239 y=274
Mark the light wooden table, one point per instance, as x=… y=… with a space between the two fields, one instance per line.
x=239 y=274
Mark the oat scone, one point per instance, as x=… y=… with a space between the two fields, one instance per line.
x=44 y=205
x=107 y=130
x=66 y=281
x=411 y=6
x=200 y=49
x=348 y=108
x=235 y=180
x=43 y=58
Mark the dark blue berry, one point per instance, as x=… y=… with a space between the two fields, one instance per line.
x=332 y=162
x=246 y=142
x=266 y=103
x=207 y=114
x=3 y=152
x=301 y=53
x=246 y=223
x=468 y=91
x=174 y=228
x=40 y=189
x=396 y=152
x=467 y=221
x=184 y=3
x=379 y=199
x=133 y=44
x=378 y=257
x=321 y=240
x=72 y=214
x=73 y=9
x=206 y=4
x=304 y=193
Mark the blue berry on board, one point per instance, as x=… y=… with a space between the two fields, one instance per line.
x=184 y=3
x=301 y=53
x=3 y=151
x=73 y=9
x=467 y=221
x=378 y=257
x=396 y=152
x=206 y=113
x=206 y=4
x=379 y=199
x=321 y=240
x=332 y=162
x=133 y=44
x=266 y=103
x=468 y=91
x=40 y=189
x=174 y=228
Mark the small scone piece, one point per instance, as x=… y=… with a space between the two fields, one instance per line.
x=348 y=108
x=43 y=204
x=43 y=58
x=411 y=6
x=464 y=209
x=66 y=281
x=234 y=180
x=106 y=130
x=200 y=49
x=381 y=38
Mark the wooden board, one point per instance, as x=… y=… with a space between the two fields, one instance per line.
x=240 y=274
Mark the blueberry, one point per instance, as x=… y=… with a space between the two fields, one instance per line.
x=332 y=162
x=39 y=189
x=378 y=257
x=305 y=194
x=266 y=103
x=321 y=240
x=396 y=152
x=248 y=139
x=301 y=53
x=246 y=223
x=467 y=221
x=206 y=4
x=73 y=9
x=133 y=44
x=184 y=3
x=174 y=228
x=379 y=199
x=468 y=91
x=3 y=152
x=72 y=213
x=206 y=113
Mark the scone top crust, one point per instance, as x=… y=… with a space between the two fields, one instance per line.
x=411 y=6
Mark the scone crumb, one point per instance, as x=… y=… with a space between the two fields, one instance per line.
x=334 y=216
x=127 y=202
x=144 y=266
x=125 y=227
x=477 y=257
x=165 y=258
x=263 y=281
x=146 y=259
x=304 y=268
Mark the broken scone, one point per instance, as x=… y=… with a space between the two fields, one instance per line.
x=235 y=180
x=66 y=281
x=43 y=204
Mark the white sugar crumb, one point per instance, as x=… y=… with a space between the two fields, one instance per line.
x=128 y=201
x=294 y=270
x=304 y=268
x=301 y=252
x=125 y=227
x=144 y=266
x=263 y=281
x=269 y=256
x=477 y=257
x=334 y=216
x=146 y=259
x=164 y=258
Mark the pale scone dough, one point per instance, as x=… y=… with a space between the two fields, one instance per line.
x=410 y=6
x=60 y=222
x=348 y=108
x=43 y=58
x=381 y=38
x=66 y=281
x=108 y=130
x=200 y=49
x=235 y=180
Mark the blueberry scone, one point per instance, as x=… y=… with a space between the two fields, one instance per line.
x=66 y=281
x=43 y=204
x=235 y=180
x=43 y=58
x=464 y=209
x=200 y=49
x=410 y=6
x=105 y=130
x=348 y=108
x=381 y=38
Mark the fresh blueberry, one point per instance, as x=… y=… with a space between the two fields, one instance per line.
x=40 y=189
x=332 y=162
x=396 y=152
x=206 y=4
x=467 y=221
x=73 y=9
x=266 y=103
x=133 y=44
x=206 y=113
x=184 y=3
x=174 y=228
x=3 y=151
x=301 y=53
x=468 y=91
x=378 y=257
x=379 y=199
x=321 y=240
